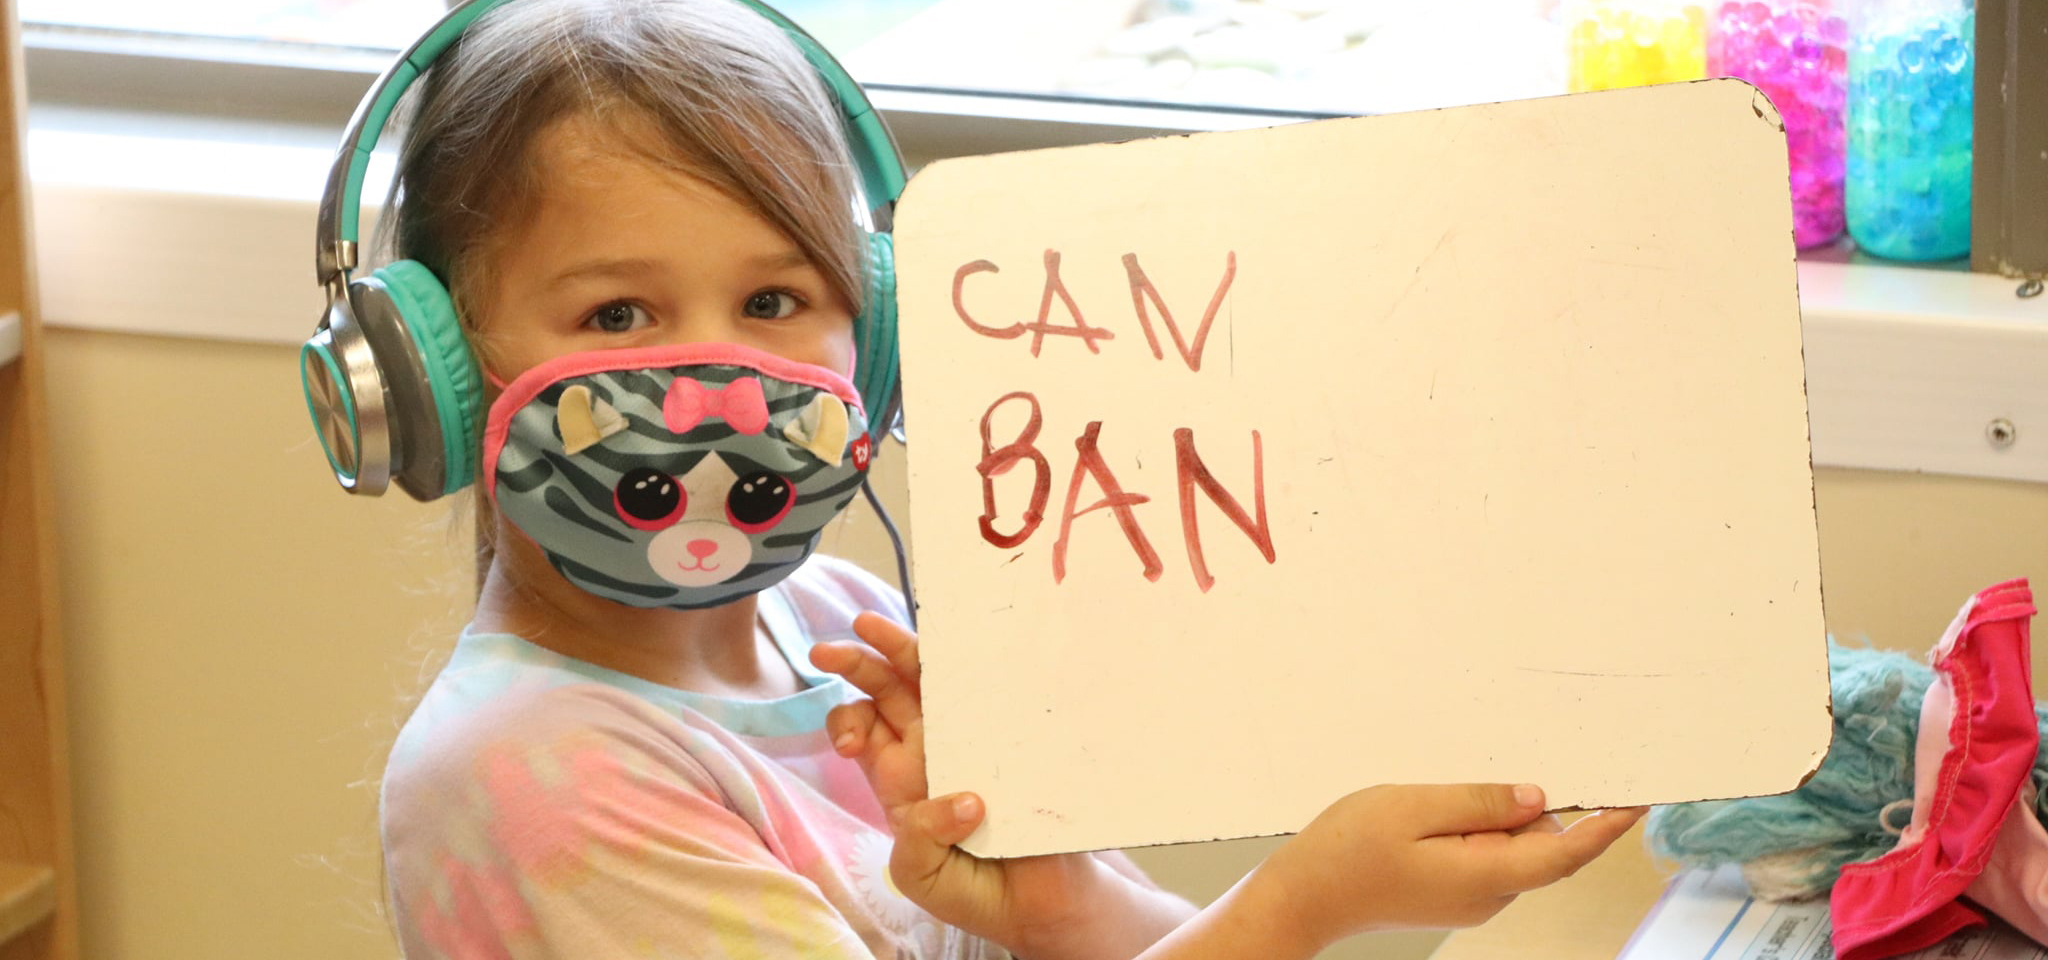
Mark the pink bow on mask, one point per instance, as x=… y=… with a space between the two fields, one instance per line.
x=740 y=404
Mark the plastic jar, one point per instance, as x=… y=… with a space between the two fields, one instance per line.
x=1626 y=43
x=1796 y=52
x=1910 y=122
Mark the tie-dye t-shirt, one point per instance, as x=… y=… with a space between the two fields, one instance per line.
x=539 y=806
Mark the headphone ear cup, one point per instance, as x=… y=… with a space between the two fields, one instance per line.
x=345 y=395
x=407 y=310
x=878 y=359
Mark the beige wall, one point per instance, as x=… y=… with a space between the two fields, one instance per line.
x=243 y=639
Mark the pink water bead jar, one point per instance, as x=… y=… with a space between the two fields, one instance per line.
x=1795 y=51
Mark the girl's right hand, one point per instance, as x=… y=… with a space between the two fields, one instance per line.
x=1074 y=905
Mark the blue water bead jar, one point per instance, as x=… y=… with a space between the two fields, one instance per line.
x=1910 y=124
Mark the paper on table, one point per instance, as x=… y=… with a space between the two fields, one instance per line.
x=1709 y=915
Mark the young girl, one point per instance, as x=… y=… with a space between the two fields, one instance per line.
x=641 y=209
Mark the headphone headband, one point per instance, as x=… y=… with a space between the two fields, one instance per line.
x=874 y=150
x=391 y=383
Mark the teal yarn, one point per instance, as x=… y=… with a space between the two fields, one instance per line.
x=2040 y=777
x=1795 y=844
x=1836 y=817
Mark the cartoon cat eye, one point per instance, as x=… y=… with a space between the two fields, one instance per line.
x=759 y=501
x=648 y=499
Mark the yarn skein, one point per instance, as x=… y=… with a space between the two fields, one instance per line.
x=1792 y=846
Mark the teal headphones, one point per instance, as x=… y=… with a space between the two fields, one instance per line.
x=393 y=389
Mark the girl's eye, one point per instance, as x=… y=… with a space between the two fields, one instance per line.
x=618 y=317
x=648 y=499
x=772 y=304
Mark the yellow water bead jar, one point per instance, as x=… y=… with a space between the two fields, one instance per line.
x=1628 y=43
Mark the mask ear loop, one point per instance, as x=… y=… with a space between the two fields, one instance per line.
x=902 y=559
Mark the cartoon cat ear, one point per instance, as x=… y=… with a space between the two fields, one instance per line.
x=821 y=428
x=583 y=420
x=607 y=418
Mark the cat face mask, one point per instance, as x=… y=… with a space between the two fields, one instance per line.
x=680 y=476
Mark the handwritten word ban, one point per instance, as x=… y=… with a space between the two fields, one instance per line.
x=1090 y=467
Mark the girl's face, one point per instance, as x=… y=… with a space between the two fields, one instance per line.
x=619 y=252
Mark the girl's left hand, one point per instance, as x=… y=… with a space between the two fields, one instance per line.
x=1064 y=905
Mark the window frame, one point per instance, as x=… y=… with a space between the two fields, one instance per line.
x=2009 y=177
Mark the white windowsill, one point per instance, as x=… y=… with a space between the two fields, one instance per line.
x=203 y=229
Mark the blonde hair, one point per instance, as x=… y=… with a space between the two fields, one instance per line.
x=728 y=96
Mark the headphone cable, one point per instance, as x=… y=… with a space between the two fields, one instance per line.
x=895 y=539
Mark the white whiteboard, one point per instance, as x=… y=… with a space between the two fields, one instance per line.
x=1523 y=381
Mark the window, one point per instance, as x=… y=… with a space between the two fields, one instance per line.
x=377 y=24
x=1004 y=74
x=1288 y=56
x=148 y=118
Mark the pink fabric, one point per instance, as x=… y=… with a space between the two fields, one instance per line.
x=528 y=385
x=1977 y=746
x=741 y=404
x=523 y=388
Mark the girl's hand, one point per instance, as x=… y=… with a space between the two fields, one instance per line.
x=1382 y=858
x=1427 y=856
x=1069 y=905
